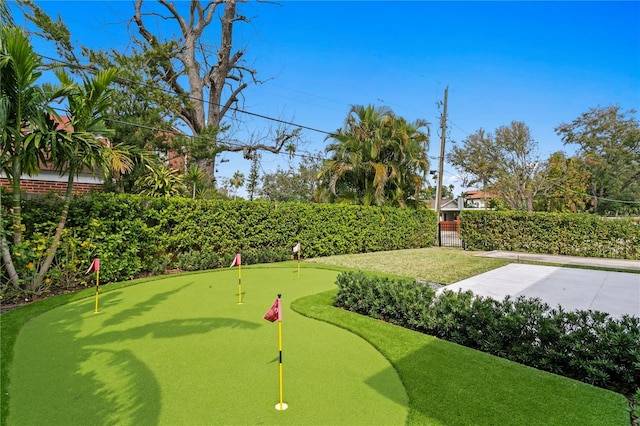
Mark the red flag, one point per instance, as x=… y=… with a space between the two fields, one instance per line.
x=296 y=248
x=236 y=261
x=95 y=266
x=274 y=313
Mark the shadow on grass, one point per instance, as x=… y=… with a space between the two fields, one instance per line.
x=169 y=329
x=145 y=306
x=451 y=384
x=75 y=350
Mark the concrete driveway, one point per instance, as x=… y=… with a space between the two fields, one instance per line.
x=616 y=293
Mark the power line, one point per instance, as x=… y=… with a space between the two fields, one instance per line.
x=228 y=142
x=459 y=128
x=238 y=144
x=587 y=195
x=191 y=97
x=57 y=62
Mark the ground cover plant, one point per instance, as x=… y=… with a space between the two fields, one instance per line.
x=156 y=355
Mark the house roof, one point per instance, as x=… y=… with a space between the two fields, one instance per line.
x=477 y=195
x=63 y=123
x=448 y=205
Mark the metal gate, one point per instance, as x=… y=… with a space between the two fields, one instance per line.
x=449 y=234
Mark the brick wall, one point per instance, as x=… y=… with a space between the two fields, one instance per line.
x=43 y=187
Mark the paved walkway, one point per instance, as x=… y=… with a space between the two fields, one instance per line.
x=617 y=293
x=596 y=262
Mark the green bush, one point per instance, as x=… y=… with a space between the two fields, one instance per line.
x=137 y=236
x=635 y=407
x=551 y=233
x=584 y=345
x=388 y=299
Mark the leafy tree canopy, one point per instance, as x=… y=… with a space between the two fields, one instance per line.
x=567 y=185
x=505 y=163
x=292 y=185
x=190 y=83
x=608 y=141
x=377 y=158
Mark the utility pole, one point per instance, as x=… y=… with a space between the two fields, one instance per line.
x=443 y=129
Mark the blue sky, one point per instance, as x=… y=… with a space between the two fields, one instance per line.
x=543 y=63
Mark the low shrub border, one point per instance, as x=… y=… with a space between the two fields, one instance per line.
x=584 y=345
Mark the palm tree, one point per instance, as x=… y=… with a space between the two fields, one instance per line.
x=161 y=182
x=31 y=136
x=27 y=127
x=83 y=145
x=408 y=153
x=237 y=181
x=377 y=159
x=194 y=176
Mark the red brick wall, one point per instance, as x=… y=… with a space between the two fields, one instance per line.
x=43 y=187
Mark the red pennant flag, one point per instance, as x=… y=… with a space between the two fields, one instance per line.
x=95 y=266
x=296 y=248
x=274 y=313
x=236 y=261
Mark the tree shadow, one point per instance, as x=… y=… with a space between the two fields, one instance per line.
x=123 y=389
x=169 y=329
x=142 y=307
x=451 y=384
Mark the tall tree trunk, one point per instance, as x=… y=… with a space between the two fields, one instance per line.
x=16 y=210
x=37 y=281
x=14 y=278
x=529 y=203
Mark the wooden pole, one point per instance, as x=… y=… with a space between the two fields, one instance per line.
x=443 y=136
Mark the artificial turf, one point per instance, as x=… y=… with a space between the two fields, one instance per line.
x=182 y=351
x=449 y=384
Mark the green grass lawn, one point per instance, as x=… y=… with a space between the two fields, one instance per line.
x=180 y=350
x=434 y=264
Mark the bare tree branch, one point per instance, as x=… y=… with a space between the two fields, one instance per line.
x=218 y=79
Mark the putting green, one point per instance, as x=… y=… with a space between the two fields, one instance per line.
x=182 y=351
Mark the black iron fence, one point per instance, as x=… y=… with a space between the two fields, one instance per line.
x=449 y=234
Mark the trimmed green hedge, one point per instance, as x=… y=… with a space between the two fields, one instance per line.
x=136 y=236
x=551 y=233
x=585 y=345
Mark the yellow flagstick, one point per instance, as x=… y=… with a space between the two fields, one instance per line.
x=281 y=406
x=95 y=267
x=299 y=250
x=97 y=289
x=275 y=314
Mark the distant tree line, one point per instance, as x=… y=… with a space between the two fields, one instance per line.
x=602 y=177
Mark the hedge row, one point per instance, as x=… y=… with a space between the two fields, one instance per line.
x=585 y=345
x=551 y=233
x=135 y=236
